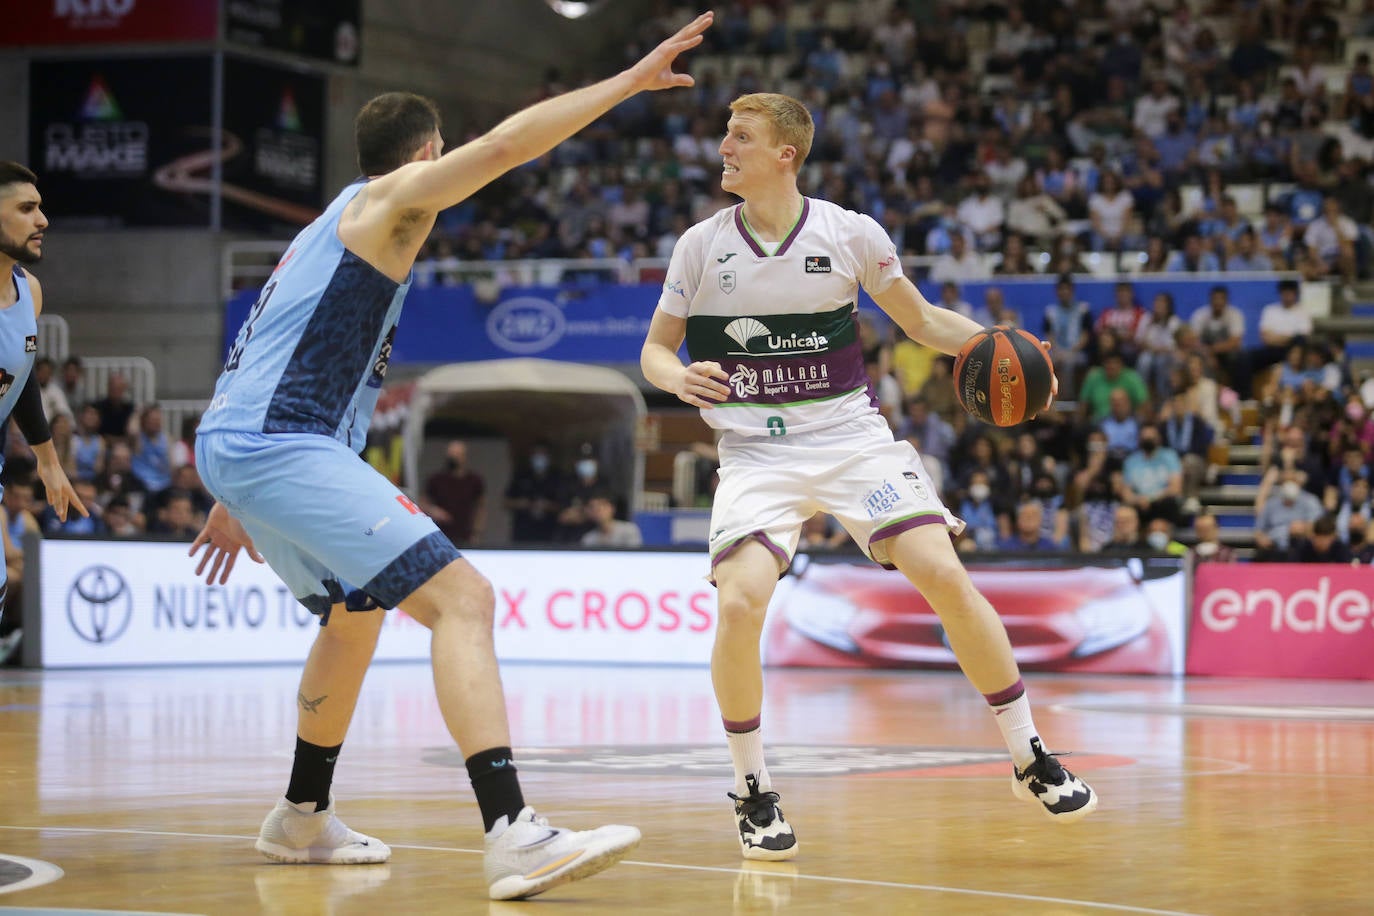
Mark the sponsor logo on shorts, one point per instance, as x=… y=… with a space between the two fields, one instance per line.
x=882 y=500
x=386 y=520
x=917 y=487
x=817 y=264
x=409 y=506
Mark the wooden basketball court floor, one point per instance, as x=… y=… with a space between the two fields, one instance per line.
x=146 y=788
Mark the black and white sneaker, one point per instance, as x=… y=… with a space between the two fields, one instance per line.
x=763 y=833
x=1048 y=782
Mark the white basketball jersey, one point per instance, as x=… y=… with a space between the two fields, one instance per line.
x=781 y=320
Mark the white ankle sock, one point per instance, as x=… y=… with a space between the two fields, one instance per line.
x=1018 y=728
x=746 y=753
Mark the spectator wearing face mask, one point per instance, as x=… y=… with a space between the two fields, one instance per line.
x=1361 y=547
x=532 y=498
x=978 y=512
x=1291 y=506
x=1159 y=537
x=1055 y=522
x=455 y=497
x=1209 y=548
x=574 y=520
x=1152 y=477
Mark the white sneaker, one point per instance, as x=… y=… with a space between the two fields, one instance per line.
x=1047 y=782
x=764 y=833
x=296 y=834
x=529 y=856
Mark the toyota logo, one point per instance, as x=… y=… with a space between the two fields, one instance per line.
x=99 y=605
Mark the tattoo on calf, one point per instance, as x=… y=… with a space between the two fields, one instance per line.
x=310 y=705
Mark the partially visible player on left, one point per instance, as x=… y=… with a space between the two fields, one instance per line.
x=21 y=302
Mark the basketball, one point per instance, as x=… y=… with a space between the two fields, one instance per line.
x=1002 y=376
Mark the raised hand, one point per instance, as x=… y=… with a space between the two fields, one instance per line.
x=655 y=70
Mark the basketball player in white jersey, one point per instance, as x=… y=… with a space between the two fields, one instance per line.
x=279 y=446
x=765 y=294
x=22 y=225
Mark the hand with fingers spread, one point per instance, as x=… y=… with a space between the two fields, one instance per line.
x=226 y=537
x=702 y=384
x=655 y=70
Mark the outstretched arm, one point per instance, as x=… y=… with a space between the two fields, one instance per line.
x=940 y=329
x=433 y=186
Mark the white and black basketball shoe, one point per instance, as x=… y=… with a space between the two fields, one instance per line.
x=1048 y=782
x=763 y=832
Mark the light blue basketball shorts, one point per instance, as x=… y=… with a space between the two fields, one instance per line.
x=333 y=528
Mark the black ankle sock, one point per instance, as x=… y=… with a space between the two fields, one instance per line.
x=312 y=774
x=498 y=788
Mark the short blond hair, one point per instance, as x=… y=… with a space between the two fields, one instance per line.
x=790 y=121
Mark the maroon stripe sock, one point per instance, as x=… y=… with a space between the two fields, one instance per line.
x=1003 y=697
x=740 y=728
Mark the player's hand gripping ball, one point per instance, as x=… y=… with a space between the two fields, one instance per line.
x=1003 y=376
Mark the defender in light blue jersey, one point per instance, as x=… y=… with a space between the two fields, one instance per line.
x=279 y=448
x=22 y=224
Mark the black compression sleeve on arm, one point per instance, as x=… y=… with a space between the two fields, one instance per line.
x=28 y=413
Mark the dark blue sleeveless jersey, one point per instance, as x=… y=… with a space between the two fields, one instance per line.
x=313 y=353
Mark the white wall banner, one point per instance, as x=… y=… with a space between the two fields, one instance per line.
x=139 y=603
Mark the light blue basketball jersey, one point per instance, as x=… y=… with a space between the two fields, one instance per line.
x=313 y=353
x=18 y=345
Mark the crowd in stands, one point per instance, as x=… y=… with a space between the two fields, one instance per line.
x=547 y=504
x=135 y=478
x=978 y=131
x=1157 y=402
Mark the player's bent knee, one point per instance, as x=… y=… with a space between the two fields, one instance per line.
x=353 y=626
x=740 y=611
x=458 y=590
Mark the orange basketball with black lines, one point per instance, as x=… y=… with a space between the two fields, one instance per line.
x=1002 y=376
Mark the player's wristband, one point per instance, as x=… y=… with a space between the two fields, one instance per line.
x=28 y=413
